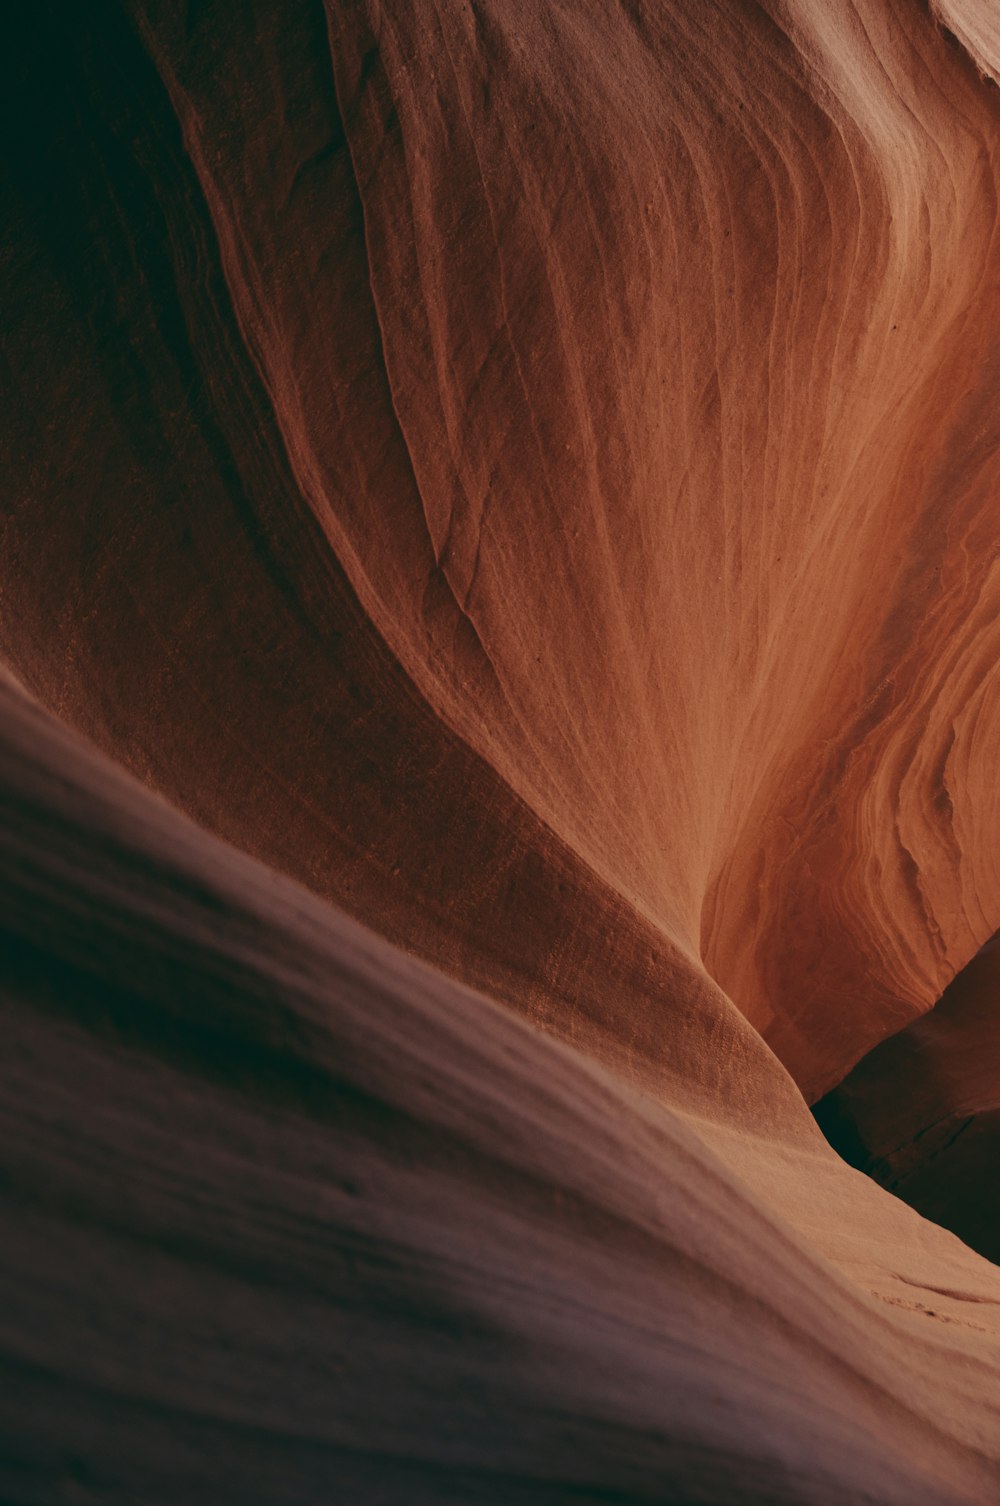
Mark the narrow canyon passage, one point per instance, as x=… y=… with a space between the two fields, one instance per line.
x=499 y=620
x=921 y=1113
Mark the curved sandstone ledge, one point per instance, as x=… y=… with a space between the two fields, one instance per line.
x=286 y=1212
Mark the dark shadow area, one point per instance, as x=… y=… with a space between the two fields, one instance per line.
x=921 y=1113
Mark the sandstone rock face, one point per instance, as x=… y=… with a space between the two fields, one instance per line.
x=524 y=477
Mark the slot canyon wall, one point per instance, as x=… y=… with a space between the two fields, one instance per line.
x=499 y=594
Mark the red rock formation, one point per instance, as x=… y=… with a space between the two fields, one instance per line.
x=526 y=472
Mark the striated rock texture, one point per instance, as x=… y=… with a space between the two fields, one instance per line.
x=526 y=473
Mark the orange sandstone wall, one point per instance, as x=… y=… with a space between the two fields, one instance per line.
x=479 y=442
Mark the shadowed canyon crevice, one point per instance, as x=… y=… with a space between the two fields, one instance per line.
x=921 y=1113
x=500 y=599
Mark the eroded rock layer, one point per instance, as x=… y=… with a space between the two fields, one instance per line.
x=527 y=473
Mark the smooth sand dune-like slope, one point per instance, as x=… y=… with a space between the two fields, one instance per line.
x=288 y=1214
x=528 y=474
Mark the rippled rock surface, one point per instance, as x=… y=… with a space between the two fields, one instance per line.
x=499 y=585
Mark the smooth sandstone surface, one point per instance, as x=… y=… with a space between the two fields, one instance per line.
x=286 y=1213
x=523 y=479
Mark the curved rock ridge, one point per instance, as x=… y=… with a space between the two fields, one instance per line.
x=526 y=474
x=973 y=24
x=629 y=372
x=286 y=1212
